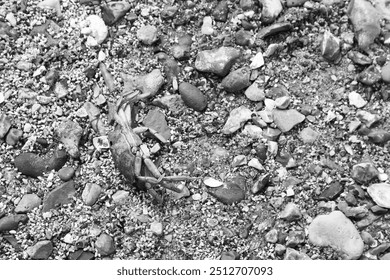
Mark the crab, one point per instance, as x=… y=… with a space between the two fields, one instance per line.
x=129 y=158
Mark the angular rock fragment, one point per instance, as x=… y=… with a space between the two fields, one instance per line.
x=228 y=194
x=217 y=61
x=69 y=133
x=155 y=119
x=105 y=245
x=237 y=118
x=41 y=250
x=114 y=11
x=59 y=196
x=337 y=231
x=271 y=10
x=5 y=125
x=330 y=48
x=95 y=29
x=221 y=11
x=291 y=212
x=363 y=173
x=285 y=120
x=255 y=93
x=27 y=203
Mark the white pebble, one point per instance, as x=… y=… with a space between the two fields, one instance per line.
x=383 y=177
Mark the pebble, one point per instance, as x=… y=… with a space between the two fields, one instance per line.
x=61 y=89
x=120 y=197
x=237 y=118
x=40 y=250
x=255 y=163
x=261 y=184
x=282 y=102
x=243 y=37
x=255 y=93
x=5 y=125
x=380 y=193
x=217 y=61
x=11 y=222
x=13 y=137
x=148 y=34
x=271 y=10
x=358 y=212
x=337 y=231
x=150 y=83
x=365 y=21
x=27 y=203
x=385 y=73
x=95 y=29
x=295 y=238
x=364 y=173
x=330 y=48
x=274 y=29
x=155 y=120
x=91 y=193
x=221 y=11
x=207 y=26
x=66 y=173
x=192 y=97
x=228 y=194
x=247 y=5
x=272 y=236
x=355 y=99
x=367 y=118
x=112 y=12
x=107 y=76
x=239 y=160
x=379 y=136
x=257 y=61
x=309 y=135
x=174 y=103
x=230 y=255
x=105 y=245
x=10 y=17
x=291 y=212
x=156 y=228
x=331 y=192
x=33 y=165
x=61 y=195
x=360 y=58
x=285 y=120
x=369 y=76
x=69 y=133
x=292 y=254
x=236 y=81
x=252 y=131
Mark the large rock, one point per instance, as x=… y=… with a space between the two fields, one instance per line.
x=69 y=133
x=285 y=120
x=41 y=250
x=337 y=231
x=217 y=61
x=33 y=165
x=59 y=196
x=366 y=22
x=237 y=118
x=192 y=97
x=380 y=193
x=237 y=80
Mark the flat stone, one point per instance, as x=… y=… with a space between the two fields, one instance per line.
x=355 y=99
x=291 y=212
x=5 y=125
x=271 y=134
x=380 y=193
x=11 y=222
x=41 y=250
x=364 y=173
x=236 y=81
x=308 y=135
x=59 y=196
x=237 y=118
x=174 y=103
x=252 y=131
x=243 y=37
x=217 y=61
x=292 y=254
x=337 y=231
x=379 y=136
x=282 y=102
x=69 y=133
x=255 y=93
x=261 y=184
x=331 y=192
x=33 y=165
x=274 y=29
x=61 y=89
x=27 y=203
x=155 y=119
x=112 y=12
x=105 y=245
x=148 y=34
x=285 y=120
x=385 y=73
x=120 y=197
x=228 y=194
x=193 y=97
x=91 y=193
x=359 y=58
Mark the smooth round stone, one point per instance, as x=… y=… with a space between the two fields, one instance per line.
x=148 y=34
x=91 y=193
x=386 y=73
x=380 y=193
x=105 y=245
x=192 y=97
x=66 y=173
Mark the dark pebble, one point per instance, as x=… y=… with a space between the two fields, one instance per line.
x=59 y=196
x=11 y=222
x=192 y=97
x=228 y=194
